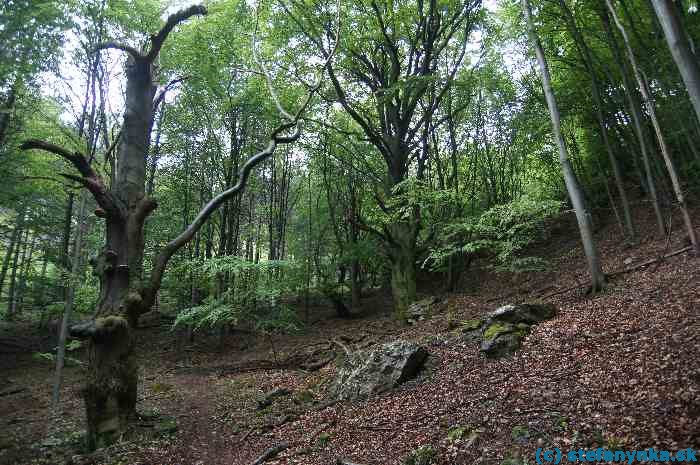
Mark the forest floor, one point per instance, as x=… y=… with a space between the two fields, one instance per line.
x=620 y=369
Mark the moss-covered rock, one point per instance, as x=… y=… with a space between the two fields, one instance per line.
x=529 y=313
x=470 y=325
x=503 y=329
x=497 y=328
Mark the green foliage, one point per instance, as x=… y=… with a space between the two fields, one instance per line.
x=423 y=455
x=71 y=346
x=504 y=231
x=253 y=295
x=456 y=433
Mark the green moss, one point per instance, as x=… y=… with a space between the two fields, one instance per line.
x=470 y=325
x=423 y=455
x=158 y=388
x=111 y=323
x=521 y=329
x=324 y=439
x=456 y=433
x=496 y=329
x=519 y=433
x=167 y=426
x=304 y=396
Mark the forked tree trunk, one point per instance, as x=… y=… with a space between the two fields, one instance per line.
x=112 y=375
x=110 y=391
x=572 y=184
x=651 y=110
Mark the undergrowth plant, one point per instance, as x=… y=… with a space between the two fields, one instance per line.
x=241 y=291
x=502 y=231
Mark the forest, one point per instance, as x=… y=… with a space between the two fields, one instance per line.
x=348 y=232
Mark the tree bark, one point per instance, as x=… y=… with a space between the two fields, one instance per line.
x=572 y=184
x=681 y=50
x=636 y=114
x=12 y=292
x=402 y=255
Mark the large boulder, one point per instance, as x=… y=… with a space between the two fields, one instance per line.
x=370 y=372
x=503 y=329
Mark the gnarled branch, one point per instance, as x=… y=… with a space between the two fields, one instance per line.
x=173 y=20
x=135 y=54
x=89 y=178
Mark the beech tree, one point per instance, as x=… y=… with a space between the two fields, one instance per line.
x=391 y=77
x=125 y=292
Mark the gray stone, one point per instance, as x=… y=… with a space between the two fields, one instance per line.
x=420 y=310
x=504 y=328
x=502 y=345
x=369 y=372
x=522 y=313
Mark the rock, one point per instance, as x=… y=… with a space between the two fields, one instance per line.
x=522 y=313
x=370 y=372
x=271 y=396
x=504 y=328
x=420 y=310
x=471 y=330
x=501 y=339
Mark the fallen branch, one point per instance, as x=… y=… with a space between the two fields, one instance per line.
x=11 y=391
x=563 y=291
x=318 y=365
x=650 y=262
x=270 y=453
x=342 y=346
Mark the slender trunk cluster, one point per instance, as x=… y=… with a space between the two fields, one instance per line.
x=572 y=184
x=665 y=150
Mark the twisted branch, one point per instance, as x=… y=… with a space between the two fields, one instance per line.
x=89 y=178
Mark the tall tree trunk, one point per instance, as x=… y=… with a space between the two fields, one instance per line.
x=65 y=244
x=681 y=50
x=598 y=102
x=651 y=110
x=402 y=255
x=636 y=114
x=68 y=309
x=6 y=113
x=24 y=268
x=14 y=240
x=572 y=184
x=12 y=292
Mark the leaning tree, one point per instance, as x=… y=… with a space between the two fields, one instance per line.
x=125 y=292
